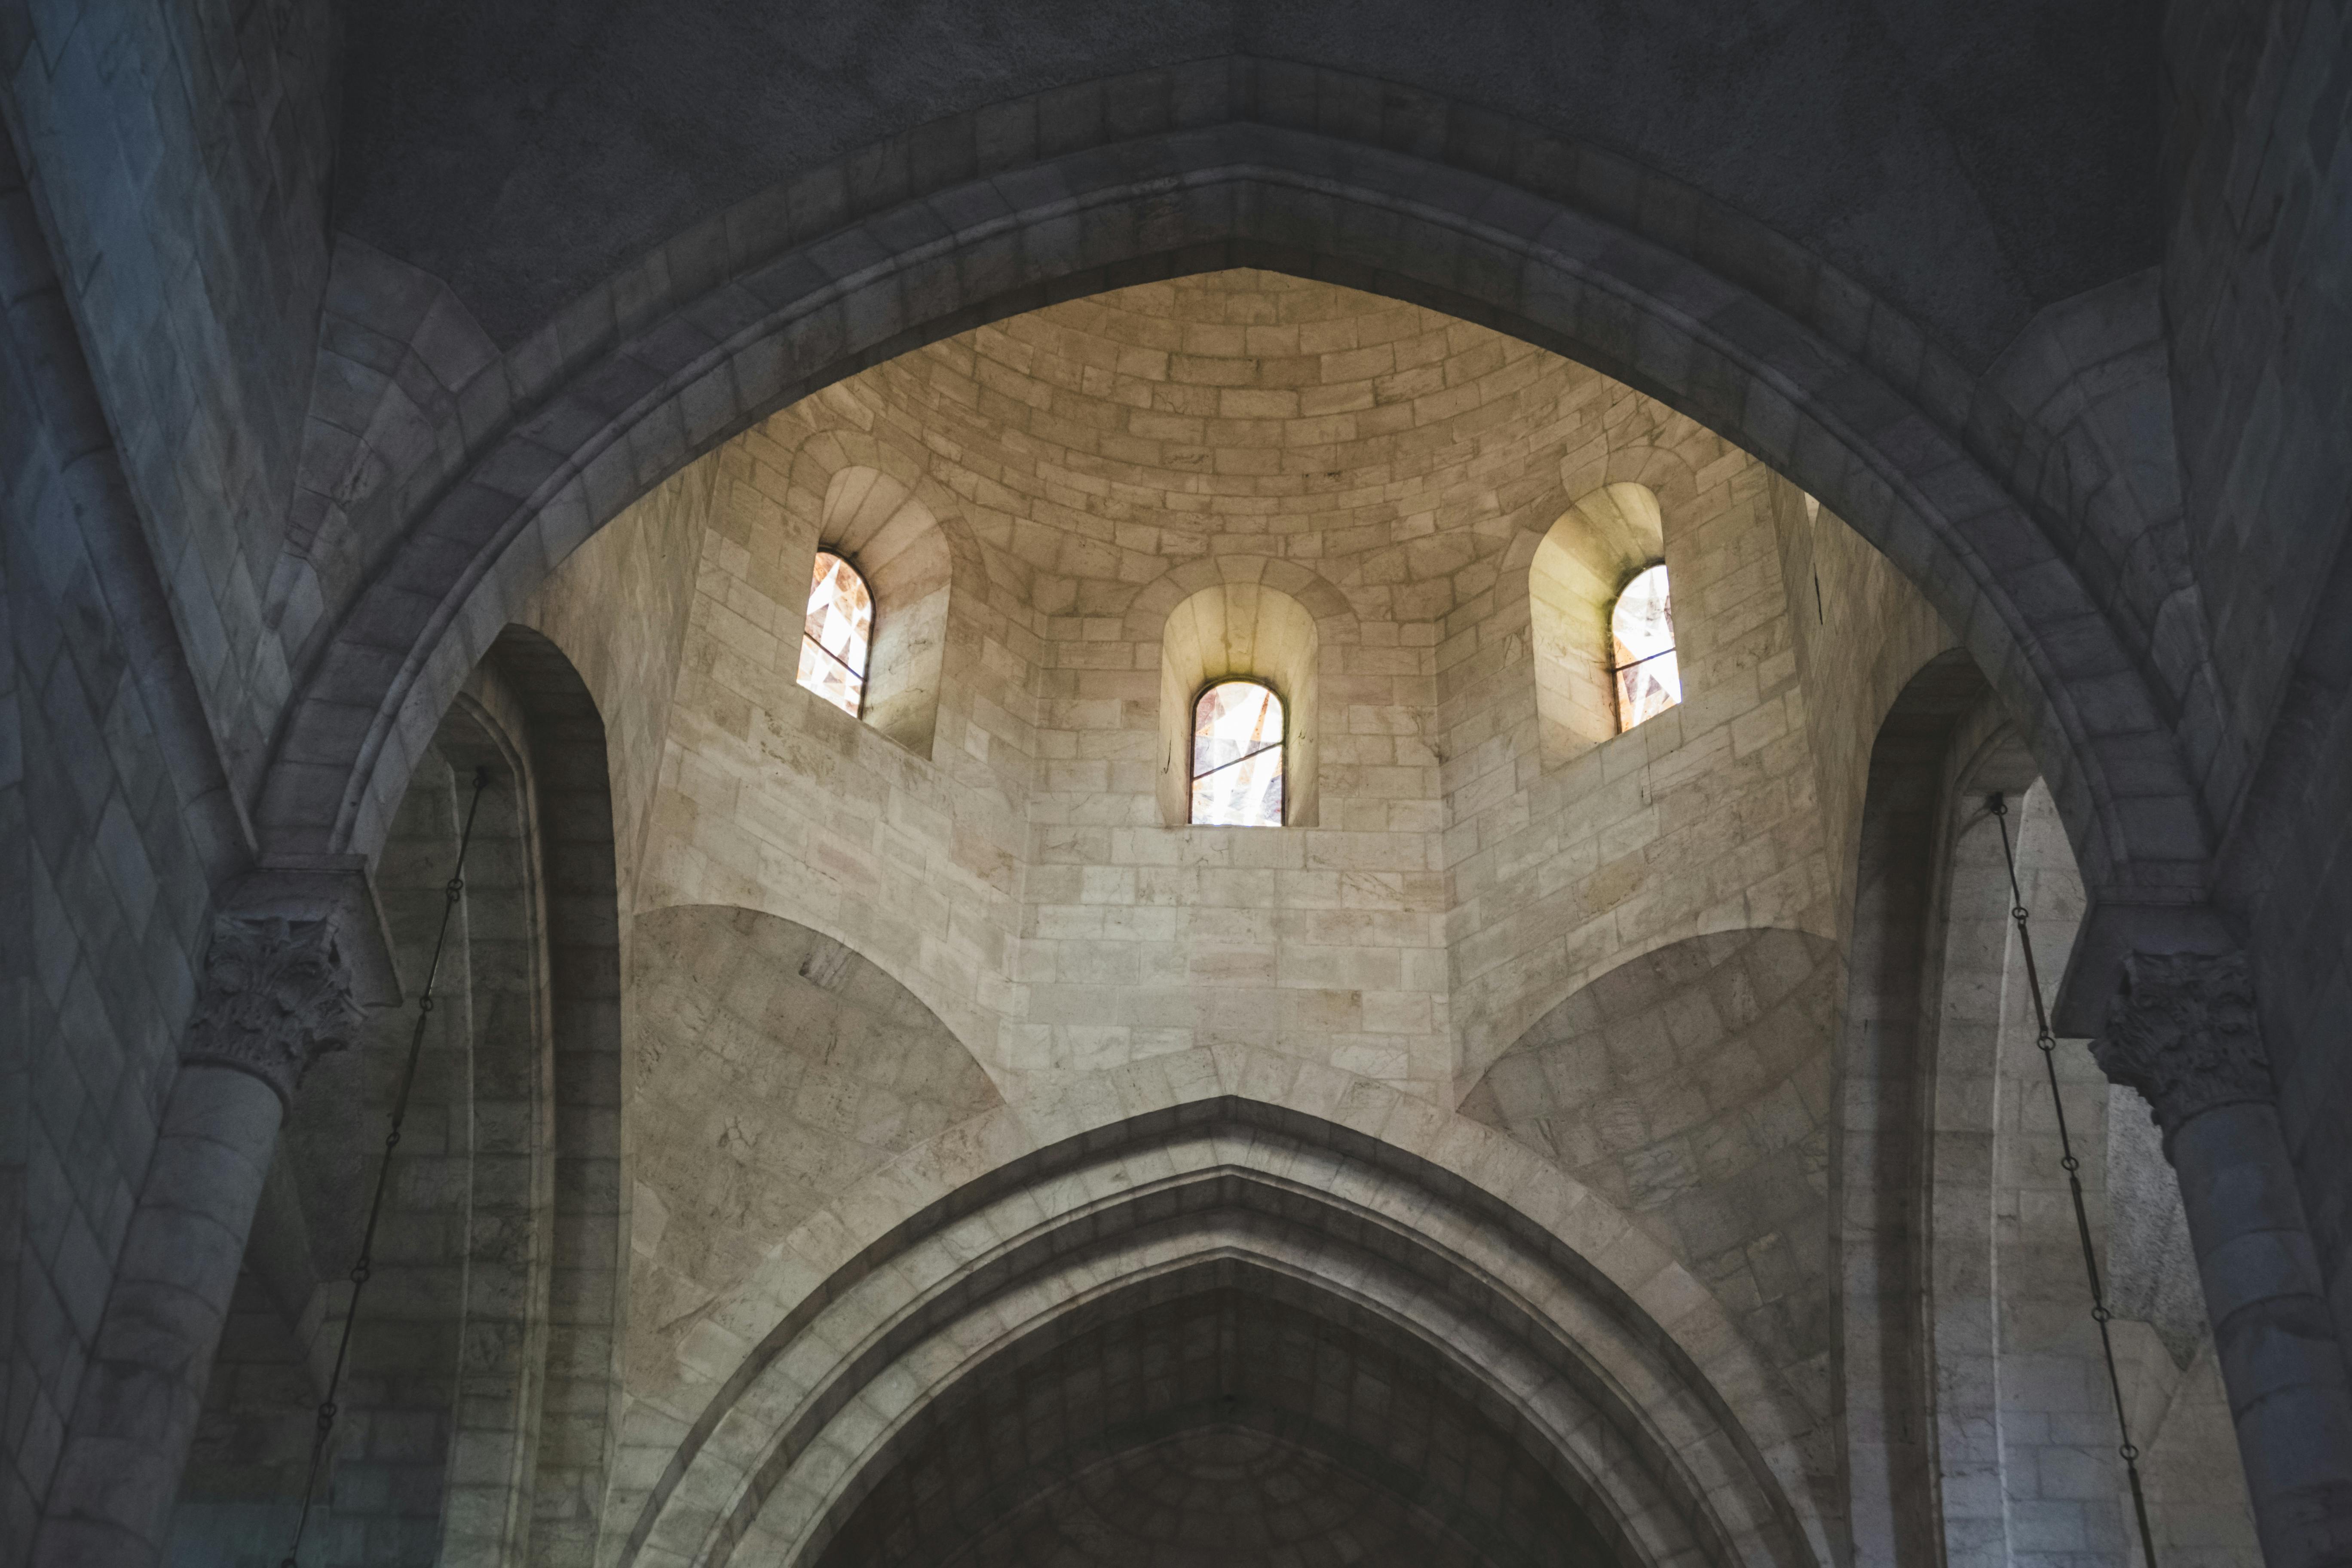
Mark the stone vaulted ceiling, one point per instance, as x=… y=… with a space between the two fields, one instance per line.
x=1224 y=1426
x=906 y=1136
x=524 y=152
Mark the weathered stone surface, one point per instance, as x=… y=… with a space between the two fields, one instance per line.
x=829 y=1122
x=277 y=994
x=758 y=1092
x=2185 y=1035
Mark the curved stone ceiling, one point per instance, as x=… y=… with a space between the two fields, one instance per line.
x=1692 y=1087
x=1393 y=449
x=1054 y=1362
x=1928 y=149
x=1217 y=1423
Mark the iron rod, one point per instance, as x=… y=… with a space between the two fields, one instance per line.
x=452 y=891
x=2047 y=1043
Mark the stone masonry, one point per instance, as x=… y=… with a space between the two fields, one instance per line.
x=904 y=1137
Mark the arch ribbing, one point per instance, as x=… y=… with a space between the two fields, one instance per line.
x=1629 y=1425
x=784 y=316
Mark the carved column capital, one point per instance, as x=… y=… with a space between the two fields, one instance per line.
x=2183 y=1032
x=277 y=992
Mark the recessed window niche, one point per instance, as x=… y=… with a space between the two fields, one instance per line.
x=881 y=527
x=1248 y=631
x=1574 y=581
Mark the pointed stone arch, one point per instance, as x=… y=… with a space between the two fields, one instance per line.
x=1557 y=1317
x=793 y=291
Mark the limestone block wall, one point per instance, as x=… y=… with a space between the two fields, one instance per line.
x=788 y=1318
x=2025 y=1441
x=171 y=165
x=1582 y=565
x=1862 y=631
x=476 y=1411
x=2026 y=1421
x=618 y=610
x=181 y=159
x=1246 y=1487
x=903 y=554
x=252 y=1446
x=770 y=798
x=2261 y=313
x=396 y=1423
x=1451 y=892
x=114 y=824
x=1392 y=472
x=1240 y=428
x=401 y=365
x=1458 y=884
x=1691 y=1086
x=1073 y=547
x=443 y=1398
x=2258 y=306
x=1700 y=820
x=1239 y=626
x=1693 y=1082
x=774 y=1068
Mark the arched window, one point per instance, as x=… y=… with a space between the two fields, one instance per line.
x=1642 y=628
x=834 y=637
x=1237 y=756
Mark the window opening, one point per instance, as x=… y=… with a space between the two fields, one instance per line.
x=1237 y=756
x=1649 y=680
x=838 y=633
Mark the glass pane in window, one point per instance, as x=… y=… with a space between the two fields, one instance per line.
x=834 y=637
x=1649 y=680
x=1237 y=756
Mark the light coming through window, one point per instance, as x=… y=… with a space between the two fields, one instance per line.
x=834 y=637
x=1237 y=756
x=1649 y=681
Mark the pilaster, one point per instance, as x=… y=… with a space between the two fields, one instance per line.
x=2184 y=1031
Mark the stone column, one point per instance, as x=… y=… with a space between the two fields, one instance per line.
x=2184 y=1033
x=277 y=992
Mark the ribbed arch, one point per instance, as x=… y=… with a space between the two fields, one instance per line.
x=1342 y=1227
x=795 y=311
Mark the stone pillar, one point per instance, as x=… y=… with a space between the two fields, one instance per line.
x=277 y=992
x=2184 y=1033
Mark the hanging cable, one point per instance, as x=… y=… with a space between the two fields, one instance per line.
x=454 y=889
x=2048 y=1043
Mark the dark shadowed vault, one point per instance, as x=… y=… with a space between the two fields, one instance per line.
x=907 y=1136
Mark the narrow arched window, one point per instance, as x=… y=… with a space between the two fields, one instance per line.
x=1641 y=627
x=1237 y=756
x=834 y=637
